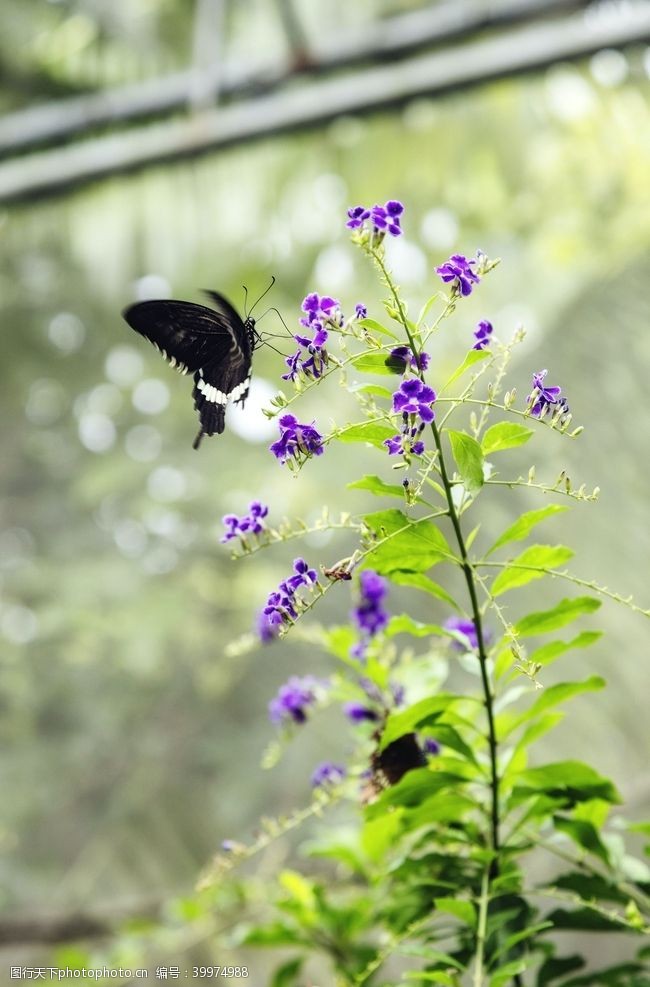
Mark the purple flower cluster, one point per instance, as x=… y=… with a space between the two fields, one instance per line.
x=383 y=219
x=296 y=440
x=413 y=399
x=293 y=700
x=482 y=334
x=458 y=271
x=430 y=746
x=546 y=399
x=410 y=361
x=281 y=605
x=369 y=615
x=327 y=775
x=251 y=523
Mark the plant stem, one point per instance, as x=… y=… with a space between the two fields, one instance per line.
x=481 y=930
x=469 y=580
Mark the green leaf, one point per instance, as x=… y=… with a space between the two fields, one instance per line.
x=421 y=714
x=520 y=936
x=525 y=524
x=472 y=358
x=449 y=737
x=285 y=975
x=372 y=432
x=376 y=389
x=404 y=624
x=377 y=486
x=549 y=652
x=378 y=363
x=415 y=787
x=527 y=566
x=506 y=973
x=566 y=611
x=419 y=581
x=412 y=546
x=469 y=459
x=571 y=779
x=463 y=910
x=273 y=934
x=559 y=693
x=584 y=834
x=504 y=435
x=373 y=326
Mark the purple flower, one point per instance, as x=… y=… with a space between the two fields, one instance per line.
x=293 y=700
x=251 y=523
x=327 y=774
x=458 y=270
x=466 y=627
x=415 y=398
x=369 y=615
x=546 y=398
x=357 y=216
x=482 y=334
x=296 y=440
x=383 y=219
x=360 y=311
x=405 y=359
x=281 y=606
x=359 y=713
x=430 y=746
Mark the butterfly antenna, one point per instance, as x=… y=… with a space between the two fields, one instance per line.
x=245 y=300
x=265 y=342
x=262 y=296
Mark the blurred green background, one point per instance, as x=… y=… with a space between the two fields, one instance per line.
x=131 y=743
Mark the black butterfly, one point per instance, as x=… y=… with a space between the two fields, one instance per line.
x=216 y=346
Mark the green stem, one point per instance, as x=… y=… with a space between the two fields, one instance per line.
x=481 y=931
x=469 y=580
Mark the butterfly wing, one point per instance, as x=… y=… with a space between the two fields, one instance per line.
x=213 y=345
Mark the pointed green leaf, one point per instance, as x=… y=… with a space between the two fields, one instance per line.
x=525 y=524
x=506 y=973
x=566 y=611
x=378 y=363
x=468 y=458
x=404 y=624
x=373 y=326
x=287 y=974
x=463 y=910
x=419 y=581
x=530 y=565
x=421 y=714
x=376 y=390
x=565 y=779
x=504 y=435
x=373 y=432
x=472 y=358
x=584 y=834
x=550 y=697
x=377 y=486
x=404 y=545
x=549 y=652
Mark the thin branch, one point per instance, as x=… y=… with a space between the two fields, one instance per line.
x=365 y=91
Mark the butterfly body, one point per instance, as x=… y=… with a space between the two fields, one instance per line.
x=214 y=344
